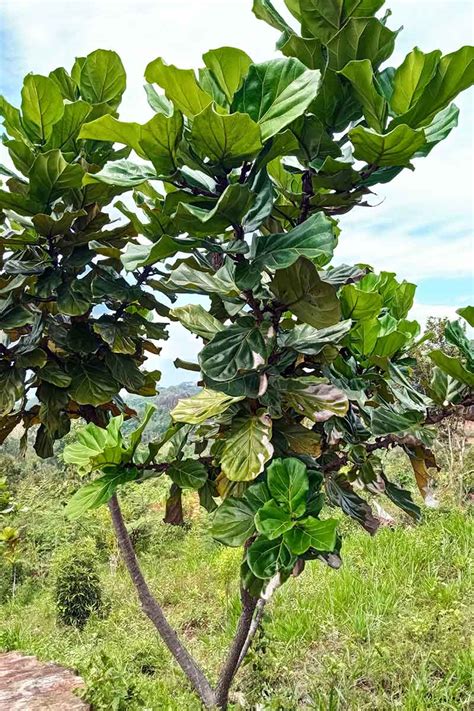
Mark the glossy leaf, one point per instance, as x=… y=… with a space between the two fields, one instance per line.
x=233 y=522
x=397 y=147
x=412 y=77
x=288 y=483
x=306 y=339
x=98 y=492
x=102 y=77
x=453 y=367
x=311 y=533
x=301 y=289
x=196 y=319
x=198 y=408
x=247 y=448
x=180 y=86
x=92 y=384
x=317 y=401
x=229 y=66
x=188 y=474
x=275 y=93
x=41 y=105
x=324 y=19
x=361 y=76
x=273 y=520
x=266 y=558
x=227 y=140
x=314 y=238
x=240 y=347
x=51 y=176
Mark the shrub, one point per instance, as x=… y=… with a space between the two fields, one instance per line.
x=77 y=588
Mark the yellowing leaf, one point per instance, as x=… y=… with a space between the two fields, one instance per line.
x=247 y=448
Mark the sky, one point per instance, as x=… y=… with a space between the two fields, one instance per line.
x=421 y=226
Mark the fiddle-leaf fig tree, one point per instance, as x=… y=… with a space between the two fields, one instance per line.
x=234 y=187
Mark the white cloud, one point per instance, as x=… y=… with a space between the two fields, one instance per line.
x=421 y=312
x=444 y=250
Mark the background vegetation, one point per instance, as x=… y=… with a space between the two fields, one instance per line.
x=389 y=630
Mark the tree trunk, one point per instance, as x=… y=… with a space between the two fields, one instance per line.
x=233 y=660
x=154 y=612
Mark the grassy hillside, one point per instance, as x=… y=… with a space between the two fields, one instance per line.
x=390 y=630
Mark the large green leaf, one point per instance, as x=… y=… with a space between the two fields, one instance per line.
x=229 y=66
x=240 y=347
x=233 y=204
x=314 y=238
x=108 y=128
x=312 y=533
x=454 y=73
x=456 y=335
x=306 y=339
x=440 y=127
x=123 y=173
x=98 y=492
x=92 y=383
x=444 y=389
x=273 y=520
x=453 y=367
x=102 y=77
x=467 y=313
x=73 y=299
x=180 y=86
x=412 y=77
x=315 y=400
x=265 y=558
x=324 y=19
x=358 y=304
x=198 y=408
x=160 y=138
x=276 y=92
x=226 y=140
x=390 y=149
x=289 y=484
x=361 y=38
x=188 y=474
x=65 y=131
x=341 y=493
x=233 y=522
x=361 y=76
x=11 y=388
x=156 y=140
x=188 y=278
x=264 y=10
x=196 y=319
x=41 y=105
x=386 y=420
x=125 y=371
x=247 y=448
x=96 y=446
x=140 y=255
x=301 y=289
x=51 y=176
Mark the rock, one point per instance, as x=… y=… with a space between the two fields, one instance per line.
x=26 y=684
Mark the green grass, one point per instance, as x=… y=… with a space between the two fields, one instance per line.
x=390 y=630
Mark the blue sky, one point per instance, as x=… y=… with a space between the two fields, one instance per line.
x=422 y=226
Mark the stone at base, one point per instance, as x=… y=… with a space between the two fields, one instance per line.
x=26 y=684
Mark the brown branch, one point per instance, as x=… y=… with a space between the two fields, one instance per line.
x=308 y=193
x=235 y=656
x=435 y=416
x=154 y=612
